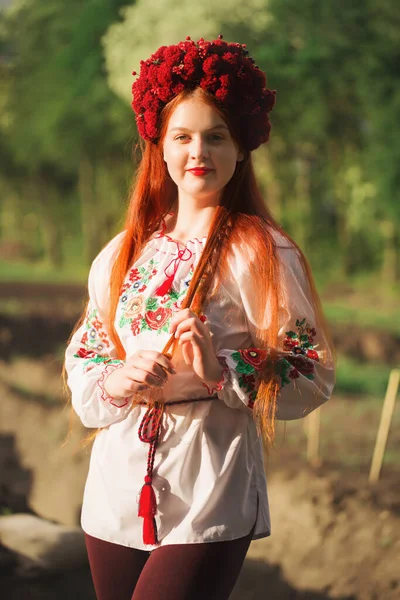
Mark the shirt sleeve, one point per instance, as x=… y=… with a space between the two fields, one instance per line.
x=91 y=356
x=304 y=363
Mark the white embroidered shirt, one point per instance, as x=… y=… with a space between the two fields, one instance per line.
x=209 y=477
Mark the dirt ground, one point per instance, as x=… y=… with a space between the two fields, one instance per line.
x=333 y=534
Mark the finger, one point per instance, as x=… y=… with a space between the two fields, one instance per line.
x=147 y=366
x=144 y=378
x=145 y=356
x=189 y=324
x=192 y=337
x=180 y=316
x=188 y=353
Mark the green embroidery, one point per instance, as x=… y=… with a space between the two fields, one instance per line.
x=241 y=365
x=94 y=341
x=249 y=362
x=151 y=304
x=301 y=356
x=283 y=368
x=152 y=313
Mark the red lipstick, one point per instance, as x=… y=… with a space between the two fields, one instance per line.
x=198 y=171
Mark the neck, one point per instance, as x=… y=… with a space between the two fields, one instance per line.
x=191 y=218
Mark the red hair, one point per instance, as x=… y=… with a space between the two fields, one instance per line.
x=248 y=223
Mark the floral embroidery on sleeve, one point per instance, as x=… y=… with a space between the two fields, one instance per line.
x=300 y=355
x=94 y=342
x=249 y=362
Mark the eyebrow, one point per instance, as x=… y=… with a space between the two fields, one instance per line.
x=221 y=126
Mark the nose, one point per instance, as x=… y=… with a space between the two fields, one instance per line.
x=199 y=148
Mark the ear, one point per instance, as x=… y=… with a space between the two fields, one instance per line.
x=240 y=157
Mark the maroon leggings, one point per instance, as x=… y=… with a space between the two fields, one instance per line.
x=176 y=572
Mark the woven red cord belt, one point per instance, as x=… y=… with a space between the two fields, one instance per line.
x=149 y=432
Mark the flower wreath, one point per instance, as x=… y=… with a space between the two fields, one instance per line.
x=223 y=69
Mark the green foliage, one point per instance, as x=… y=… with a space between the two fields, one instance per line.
x=65 y=131
x=330 y=172
x=361 y=379
x=58 y=89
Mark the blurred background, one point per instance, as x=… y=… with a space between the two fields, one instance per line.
x=331 y=176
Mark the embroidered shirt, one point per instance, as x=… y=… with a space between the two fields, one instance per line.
x=209 y=474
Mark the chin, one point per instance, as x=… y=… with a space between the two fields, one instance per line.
x=202 y=188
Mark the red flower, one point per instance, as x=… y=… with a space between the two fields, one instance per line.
x=255 y=357
x=248 y=381
x=158 y=318
x=289 y=343
x=301 y=363
x=294 y=374
x=97 y=324
x=188 y=64
x=135 y=326
x=84 y=338
x=134 y=275
x=313 y=354
x=83 y=353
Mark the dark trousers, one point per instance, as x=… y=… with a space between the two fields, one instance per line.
x=206 y=571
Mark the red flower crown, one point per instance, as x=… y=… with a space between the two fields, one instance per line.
x=223 y=69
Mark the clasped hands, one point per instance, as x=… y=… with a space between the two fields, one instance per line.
x=148 y=368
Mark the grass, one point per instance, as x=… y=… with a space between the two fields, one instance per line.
x=341 y=312
x=361 y=379
x=25 y=393
x=42 y=272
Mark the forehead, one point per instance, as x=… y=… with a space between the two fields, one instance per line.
x=194 y=114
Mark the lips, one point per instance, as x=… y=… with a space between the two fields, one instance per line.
x=200 y=171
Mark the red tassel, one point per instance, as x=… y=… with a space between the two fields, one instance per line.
x=164 y=288
x=147 y=510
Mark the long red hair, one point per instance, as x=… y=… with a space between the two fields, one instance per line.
x=248 y=223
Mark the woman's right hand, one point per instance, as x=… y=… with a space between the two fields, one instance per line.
x=142 y=370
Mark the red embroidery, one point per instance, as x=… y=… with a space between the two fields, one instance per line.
x=182 y=254
x=158 y=318
x=118 y=403
x=256 y=357
x=83 y=353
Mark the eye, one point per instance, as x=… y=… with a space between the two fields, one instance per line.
x=216 y=137
x=181 y=137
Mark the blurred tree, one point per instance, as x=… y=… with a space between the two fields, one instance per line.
x=74 y=127
x=334 y=65
x=379 y=96
x=330 y=173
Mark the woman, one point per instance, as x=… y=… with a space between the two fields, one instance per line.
x=203 y=326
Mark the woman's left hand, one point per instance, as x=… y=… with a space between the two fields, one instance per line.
x=195 y=340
